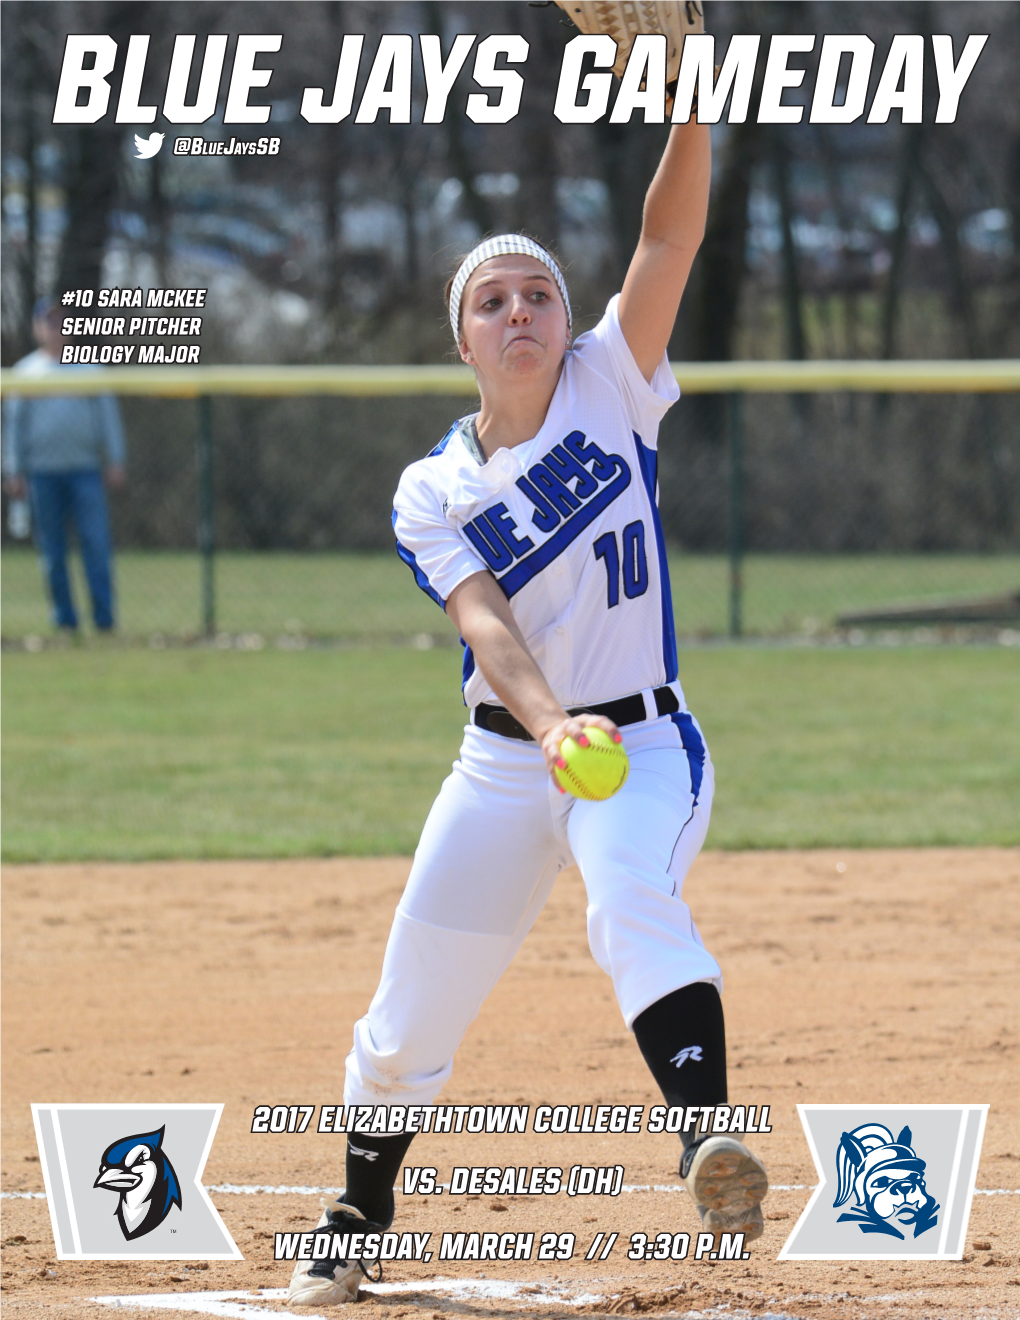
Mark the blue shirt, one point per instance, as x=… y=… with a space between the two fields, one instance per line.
x=62 y=433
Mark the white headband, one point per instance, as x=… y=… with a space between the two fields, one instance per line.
x=504 y=245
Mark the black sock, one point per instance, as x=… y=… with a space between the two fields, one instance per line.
x=683 y=1039
x=373 y=1163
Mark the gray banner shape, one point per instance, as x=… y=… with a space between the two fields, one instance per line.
x=80 y=1135
x=959 y=1214
x=945 y=1137
x=56 y=1197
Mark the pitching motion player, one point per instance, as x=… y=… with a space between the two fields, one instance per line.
x=535 y=525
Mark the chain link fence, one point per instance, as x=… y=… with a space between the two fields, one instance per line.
x=259 y=521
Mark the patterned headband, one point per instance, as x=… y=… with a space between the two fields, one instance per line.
x=503 y=245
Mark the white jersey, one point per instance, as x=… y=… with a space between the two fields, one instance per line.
x=567 y=523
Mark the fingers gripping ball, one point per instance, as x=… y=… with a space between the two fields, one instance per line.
x=594 y=772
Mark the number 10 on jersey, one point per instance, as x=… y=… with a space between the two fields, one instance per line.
x=633 y=561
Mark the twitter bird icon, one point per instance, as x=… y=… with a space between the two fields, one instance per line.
x=147 y=147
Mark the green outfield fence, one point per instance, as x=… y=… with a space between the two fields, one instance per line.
x=838 y=496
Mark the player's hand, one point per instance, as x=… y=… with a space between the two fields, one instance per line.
x=15 y=487
x=116 y=477
x=573 y=726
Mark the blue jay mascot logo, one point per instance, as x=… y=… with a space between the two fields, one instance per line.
x=136 y=1168
x=886 y=1179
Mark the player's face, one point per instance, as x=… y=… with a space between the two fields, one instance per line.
x=513 y=318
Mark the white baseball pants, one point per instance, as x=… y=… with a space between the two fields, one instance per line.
x=497 y=836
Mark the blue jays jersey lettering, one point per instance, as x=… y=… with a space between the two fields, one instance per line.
x=567 y=523
x=557 y=504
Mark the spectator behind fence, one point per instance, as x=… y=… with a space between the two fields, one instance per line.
x=55 y=448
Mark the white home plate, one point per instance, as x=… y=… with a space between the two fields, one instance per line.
x=242 y=1304
x=209 y=1303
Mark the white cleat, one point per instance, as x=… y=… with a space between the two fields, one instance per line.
x=330 y=1282
x=727 y=1184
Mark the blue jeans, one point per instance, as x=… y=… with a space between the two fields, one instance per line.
x=57 y=497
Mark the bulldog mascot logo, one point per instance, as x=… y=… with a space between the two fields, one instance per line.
x=886 y=1180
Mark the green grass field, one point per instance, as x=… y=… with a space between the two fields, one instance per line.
x=131 y=753
x=374 y=596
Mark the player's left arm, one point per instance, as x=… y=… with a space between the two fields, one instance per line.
x=676 y=207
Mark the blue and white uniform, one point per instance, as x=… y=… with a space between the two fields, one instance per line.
x=568 y=524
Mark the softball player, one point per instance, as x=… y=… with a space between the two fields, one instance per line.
x=535 y=525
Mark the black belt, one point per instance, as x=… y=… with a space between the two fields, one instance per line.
x=625 y=710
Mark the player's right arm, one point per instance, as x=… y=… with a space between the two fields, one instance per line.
x=484 y=619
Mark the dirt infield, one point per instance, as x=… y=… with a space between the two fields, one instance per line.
x=887 y=981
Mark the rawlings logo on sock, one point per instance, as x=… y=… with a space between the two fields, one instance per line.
x=368 y=1154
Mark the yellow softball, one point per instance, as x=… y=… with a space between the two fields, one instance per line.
x=594 y=772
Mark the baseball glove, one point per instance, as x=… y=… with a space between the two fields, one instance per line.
x=623 y=20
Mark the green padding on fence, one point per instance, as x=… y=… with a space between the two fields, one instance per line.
x=931 y=377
